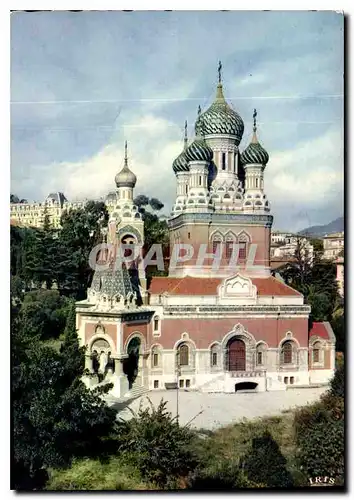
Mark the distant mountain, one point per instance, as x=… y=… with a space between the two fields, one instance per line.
x=333 y=227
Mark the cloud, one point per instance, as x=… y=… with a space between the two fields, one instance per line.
x=139 y=75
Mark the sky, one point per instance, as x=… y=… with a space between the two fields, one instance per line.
x=84 y=82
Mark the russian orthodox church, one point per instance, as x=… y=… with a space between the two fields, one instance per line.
x=205 y=327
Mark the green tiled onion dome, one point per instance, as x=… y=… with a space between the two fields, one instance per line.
x=254 y=153
x=221 y=119
x=199 y=151
x=180 y=164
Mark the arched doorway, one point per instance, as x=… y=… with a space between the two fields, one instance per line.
x=131 y=365
x=246 y=386
x=236 y=355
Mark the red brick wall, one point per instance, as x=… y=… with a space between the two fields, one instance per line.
x=128 y=329
x=205 y=331
x=201 y=235
x=110 y=329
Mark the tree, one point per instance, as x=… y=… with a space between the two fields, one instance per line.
x=315 y=279
x=156 y=204
x=73 y=354
x=15 y=199
x=319 y=433
x=81 y=232
x=141 y=200
x=55 y=417
x=43 y=313
x=157 y=445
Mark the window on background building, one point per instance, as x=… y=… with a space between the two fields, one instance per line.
x=183 y=353
x=156 y=384
x=223 y=161
x=188 y=383
x=181 y=383
x=286 y=380
x=316 y=353
x=287 y=353
x=291 y=380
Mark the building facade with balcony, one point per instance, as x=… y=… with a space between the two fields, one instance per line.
x=333 y=244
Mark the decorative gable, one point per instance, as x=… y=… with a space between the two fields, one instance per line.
x=237 y=289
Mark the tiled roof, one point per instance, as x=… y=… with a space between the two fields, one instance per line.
x=208 y=286
x=323 y=330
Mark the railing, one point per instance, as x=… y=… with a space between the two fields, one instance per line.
x=250 y=374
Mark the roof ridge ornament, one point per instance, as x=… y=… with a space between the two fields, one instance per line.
x=254 y=138
x=185 y=134
x=126 y=154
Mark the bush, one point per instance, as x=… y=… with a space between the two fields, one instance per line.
x=319 y=434
x=337 y=382
x=93 y=475
x=225 y=475
x=157 y=445
x=266 y=464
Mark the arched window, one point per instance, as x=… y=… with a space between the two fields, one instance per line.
x=183 y=355
x=287 y=353
x=156 y=323
x=216 y=243
x=223 y=161
x=215 y=356
x=316 y=352
x=260 y=354
x=229 y=248
x=242 y=241
x=155 y=357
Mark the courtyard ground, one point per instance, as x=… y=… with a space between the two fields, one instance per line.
x=214 y=410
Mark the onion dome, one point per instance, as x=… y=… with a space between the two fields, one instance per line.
x=199 y=149
x=220 y=118
x=254 y=153
x=181 y=164
x=125 y=178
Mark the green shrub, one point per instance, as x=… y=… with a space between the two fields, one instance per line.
x=266 y=464
x=157 y=445
x=93 y=475
x=337 y=382
x=222 y=475
x=319 y=435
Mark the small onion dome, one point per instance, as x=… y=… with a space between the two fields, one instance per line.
x=125 y=178
x=254 y=153
x=180 y=164
x=199 y=151
x=221 y=119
